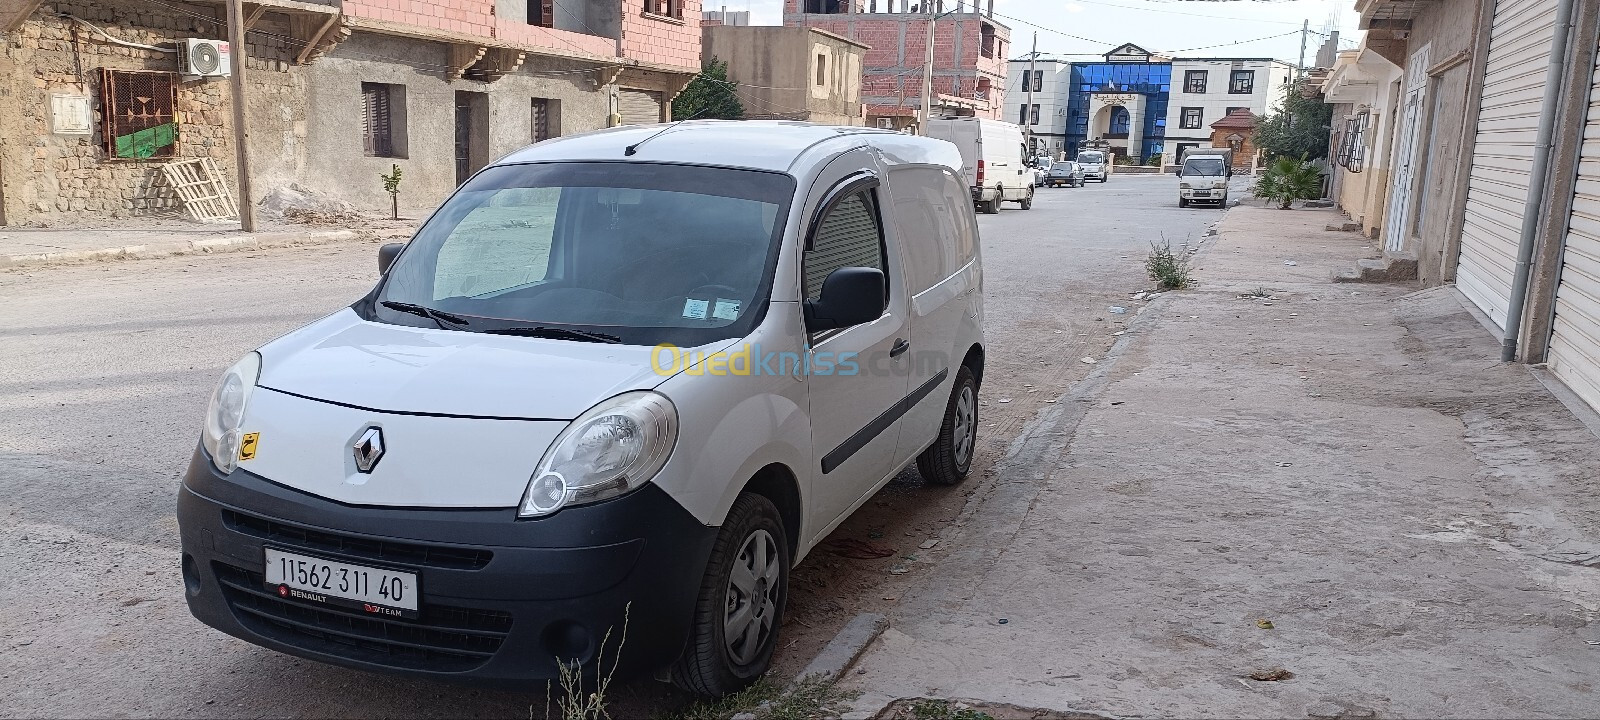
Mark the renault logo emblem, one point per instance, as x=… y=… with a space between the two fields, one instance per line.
x=369 y=449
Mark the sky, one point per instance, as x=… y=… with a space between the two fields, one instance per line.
x=1187 y=28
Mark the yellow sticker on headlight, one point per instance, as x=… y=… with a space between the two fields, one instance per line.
x=247 y=446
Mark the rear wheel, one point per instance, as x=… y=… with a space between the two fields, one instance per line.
x=947 y=461
x=1027 y=202
x=741 y=603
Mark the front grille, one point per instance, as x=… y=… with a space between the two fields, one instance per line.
x=442 y=639
x=440 y=556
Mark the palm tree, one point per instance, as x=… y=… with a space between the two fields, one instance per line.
x=1287 y=180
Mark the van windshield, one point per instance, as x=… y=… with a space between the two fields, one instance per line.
x=1204 y=167
x=1091 y=157
x=643 y=253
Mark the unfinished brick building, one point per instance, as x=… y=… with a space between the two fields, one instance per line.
x=969 y=54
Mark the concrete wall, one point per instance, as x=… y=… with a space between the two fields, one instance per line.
x=336 y=164
x=50 y=178
x=776 y=67
x=1444 y=131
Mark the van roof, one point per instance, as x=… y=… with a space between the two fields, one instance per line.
x=773 y=145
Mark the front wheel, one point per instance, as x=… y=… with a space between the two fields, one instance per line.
x=1027 y=202
x=947 y=461
x=741 y=603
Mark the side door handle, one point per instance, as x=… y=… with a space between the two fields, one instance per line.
x=900 y=346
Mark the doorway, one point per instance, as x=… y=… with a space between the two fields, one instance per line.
x=472 y=133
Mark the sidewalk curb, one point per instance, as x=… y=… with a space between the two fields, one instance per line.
x=217 y=245
x=844 y=648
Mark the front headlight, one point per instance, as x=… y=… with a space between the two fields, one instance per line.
x=225 y=414
x=1185 y=186
x=609 y=450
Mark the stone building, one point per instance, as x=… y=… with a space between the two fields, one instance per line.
x=791 y=73
x=337 y=92
x=969 y=54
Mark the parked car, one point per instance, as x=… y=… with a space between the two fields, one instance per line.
x=1041 y=169
x=1203 y=178
x=569 y=408
x=991 y=160
x=1065 y=172
x=1096 y=165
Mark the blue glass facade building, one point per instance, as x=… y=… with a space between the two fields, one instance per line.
x=1153 y=80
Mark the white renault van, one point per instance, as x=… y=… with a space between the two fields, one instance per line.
x=630 y=376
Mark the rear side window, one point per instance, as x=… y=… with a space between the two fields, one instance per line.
x=931 y=210
x=848 y=236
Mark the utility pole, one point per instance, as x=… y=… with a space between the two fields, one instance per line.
x=1305 y=31
x=241 y=133
x=927 y=71
x=1027 y=112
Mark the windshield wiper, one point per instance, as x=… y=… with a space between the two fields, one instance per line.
x=438 y=316
x=557 y=333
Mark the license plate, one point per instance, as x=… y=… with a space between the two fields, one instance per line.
x=312 y=579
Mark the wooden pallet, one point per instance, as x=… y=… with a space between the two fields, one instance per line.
x=202 y=189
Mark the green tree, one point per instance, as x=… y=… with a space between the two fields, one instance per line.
x=709 y=95
x=1299 y=129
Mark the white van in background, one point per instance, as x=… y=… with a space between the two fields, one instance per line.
x=1096 y=166
x=991 y=159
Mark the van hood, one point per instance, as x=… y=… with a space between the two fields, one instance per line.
x=1204 y=182
x=346 y=360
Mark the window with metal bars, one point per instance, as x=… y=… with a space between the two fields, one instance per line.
x=378 y=120
x=138 y=112
x=541 y=119
x=1194 y=81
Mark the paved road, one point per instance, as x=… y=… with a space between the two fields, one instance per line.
x=104 y=375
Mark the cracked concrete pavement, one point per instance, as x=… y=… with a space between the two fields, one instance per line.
x=1340 y=481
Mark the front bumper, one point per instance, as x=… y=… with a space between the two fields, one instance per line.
x=502 y=598
x=1214 y=195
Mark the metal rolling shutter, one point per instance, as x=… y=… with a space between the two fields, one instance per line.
x=847 y=237
x=1508 y=119
x=1575 y=338
x=639 y=107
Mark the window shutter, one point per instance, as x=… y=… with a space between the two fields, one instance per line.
x=847 y=237
x=547 y=12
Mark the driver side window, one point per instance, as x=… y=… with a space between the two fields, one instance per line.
x=848 y=236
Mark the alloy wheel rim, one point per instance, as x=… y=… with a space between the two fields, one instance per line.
x=752 y=598
x=966 y=425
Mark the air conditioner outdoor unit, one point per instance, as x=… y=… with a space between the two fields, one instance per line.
x=204 y=58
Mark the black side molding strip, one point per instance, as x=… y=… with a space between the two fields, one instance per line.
x=859 y=440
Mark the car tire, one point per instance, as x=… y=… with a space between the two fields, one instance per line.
x=949 y=458
x=1183 y=203
x=751 y=539
x=1027 y=202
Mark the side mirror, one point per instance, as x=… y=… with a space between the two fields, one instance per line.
x=850 y=296
x=387 y=254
